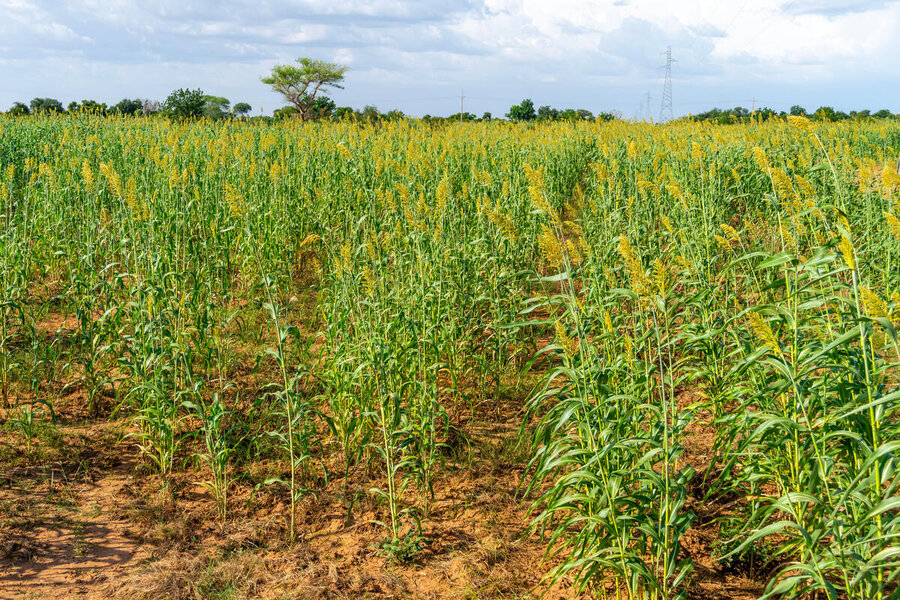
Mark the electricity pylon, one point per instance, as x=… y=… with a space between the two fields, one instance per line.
x=666 y=113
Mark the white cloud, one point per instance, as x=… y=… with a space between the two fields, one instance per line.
x=600 y=54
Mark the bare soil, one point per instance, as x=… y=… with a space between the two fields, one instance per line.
x=91 y=523
x=82 y=517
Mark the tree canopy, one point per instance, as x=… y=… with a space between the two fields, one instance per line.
x=128 y=107
x=215 y=107
x=19 y=108
x=46 y=105
x=299 y=85
x=185 y=104
x=523 y=111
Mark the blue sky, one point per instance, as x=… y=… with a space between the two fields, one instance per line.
x=417 y=56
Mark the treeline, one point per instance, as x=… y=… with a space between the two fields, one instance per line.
x=181 y=103
x=324 y=108
x=740 y=114
x=525 y=111
x=187 y=104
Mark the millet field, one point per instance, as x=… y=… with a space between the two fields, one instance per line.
x=486 y=360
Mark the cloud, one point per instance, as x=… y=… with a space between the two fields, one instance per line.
x=835 y=7
x=418 y=54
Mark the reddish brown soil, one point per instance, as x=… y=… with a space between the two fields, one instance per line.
x=110 y=531
x=81 y=517
x=63 y=539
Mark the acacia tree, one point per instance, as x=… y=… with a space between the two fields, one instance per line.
x=300 y=84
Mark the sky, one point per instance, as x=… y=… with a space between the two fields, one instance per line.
x=420 y=56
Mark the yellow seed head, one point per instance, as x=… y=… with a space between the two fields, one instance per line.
x=666 y=223
x=112 y=180
x=895 y=311
x=783 y=185
x=569 y=344
x=723 y=243
x=806 y=188
x=629 y=350
x=631 y=149
x=369 y=282
x=131 y=198
x=87 y=175
x=443 y=195
x=573 y=250
x=234 y=200
x=800 y=123
x=674 y=188
x=873 y=305
x=660 y=277
x=404 y=195
x=893 y=224
x=759 y=155
x=483 y=178
x=639 y=282
x=309 y=240
x=551 y=250
x=846 y=248
x=763 y=331
x=890 y=180
x=731 y=233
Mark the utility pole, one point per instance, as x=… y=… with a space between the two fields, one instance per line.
x=666 y=112
x=461 y=105
x=649 y=105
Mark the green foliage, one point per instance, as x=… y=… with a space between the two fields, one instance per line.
x=93 y=107
x=403 y=549
x=300 y=85
x=215 y=107
x=823 y=114
x=523 y=111
x=128 y=107
x=466 y=116
x=185 y=104
x=29 y=418
x=219 y=444
x=19 y=109
x=322 y=107
x=345 y=311
x=46 y=105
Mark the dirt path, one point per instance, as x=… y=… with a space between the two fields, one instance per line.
x=60 y=540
